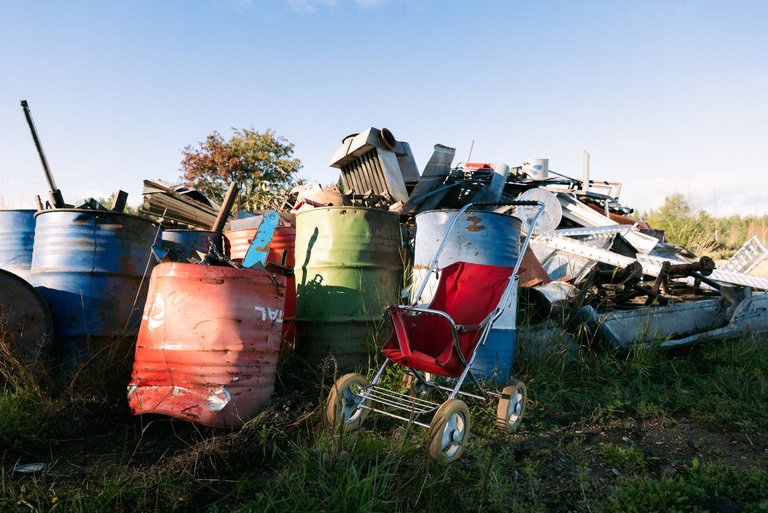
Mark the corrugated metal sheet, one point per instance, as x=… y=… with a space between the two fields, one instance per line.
x=88 y=265
x=25 y=318
x=208 y=346
x=349 y=269
x=237 y=243
x=17 y=236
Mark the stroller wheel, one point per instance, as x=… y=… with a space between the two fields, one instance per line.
x=449 y=431
x=344 y=408
x=509 y=413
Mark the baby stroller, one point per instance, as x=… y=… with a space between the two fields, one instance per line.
x=442 y=341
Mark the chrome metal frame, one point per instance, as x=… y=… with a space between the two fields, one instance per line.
x=418 y=406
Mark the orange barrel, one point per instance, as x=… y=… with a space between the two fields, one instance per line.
x=236 y=244
x=208 y=344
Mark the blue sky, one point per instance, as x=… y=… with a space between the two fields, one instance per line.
x=666 y=96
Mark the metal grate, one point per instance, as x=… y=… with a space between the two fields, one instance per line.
x=365 y=174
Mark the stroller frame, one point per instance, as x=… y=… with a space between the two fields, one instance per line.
x=352 y=397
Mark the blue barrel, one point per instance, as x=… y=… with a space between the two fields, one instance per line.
x=481 y=238
x=184 y=244
x=17 y=234
x=89 y=266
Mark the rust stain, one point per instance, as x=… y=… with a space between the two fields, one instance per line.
x=475 y=226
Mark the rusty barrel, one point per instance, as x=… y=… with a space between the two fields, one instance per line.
x=185 y=244
x=17 y=236
x=482 y=238
x=89 y=267
x=237 y=242
x=349 y=268
x=208 y=345
x=26 y=326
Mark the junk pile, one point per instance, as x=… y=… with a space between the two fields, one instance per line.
x=588 y=261
x=221 y=303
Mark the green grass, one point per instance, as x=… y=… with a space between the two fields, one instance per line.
x=287 y=459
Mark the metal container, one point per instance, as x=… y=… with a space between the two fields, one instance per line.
x=482 y=238
x=24 y=319
x=349 y=269
x=237 y=242
x=478 y=237
x=208 y=345
x=17 y=234
x=186 y=243
x=89 y=266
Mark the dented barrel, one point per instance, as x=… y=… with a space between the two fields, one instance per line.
x=237 y=242
x=17 y=236
x=208 y=345
x=89 y=266
x=481 y=238
x=185 y=244
x=349 y=268
x=26 y=326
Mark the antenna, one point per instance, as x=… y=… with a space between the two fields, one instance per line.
x=469 y=157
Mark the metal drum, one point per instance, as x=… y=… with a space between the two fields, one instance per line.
x=349 y=268
x=481 y=238
x=25 y=321
x=208 y=345
x=17 y=234
x=89 y=266
x=186 y=243
x=237 y=243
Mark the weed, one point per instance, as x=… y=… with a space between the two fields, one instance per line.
x=629 y=459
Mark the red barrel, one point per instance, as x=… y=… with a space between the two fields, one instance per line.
x=208 y=344
x=236 y=244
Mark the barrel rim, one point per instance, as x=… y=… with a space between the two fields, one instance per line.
x=18 y=210
x=470 y=211
x=342 y=207
x=95 y=212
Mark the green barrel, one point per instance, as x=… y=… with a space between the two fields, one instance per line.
x=348 y=270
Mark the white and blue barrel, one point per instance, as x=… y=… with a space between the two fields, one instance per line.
x=481 y=238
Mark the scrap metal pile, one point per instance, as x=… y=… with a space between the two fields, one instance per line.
x=614 y=274
x=209 y=300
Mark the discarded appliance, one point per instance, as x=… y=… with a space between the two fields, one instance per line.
x=349 y=268
x=89 y=266
x=375 y=161
x=17 y=236
x=208 y=345
x=441 y=339
x=26 y=326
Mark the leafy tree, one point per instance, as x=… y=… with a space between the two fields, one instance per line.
x=262 y=164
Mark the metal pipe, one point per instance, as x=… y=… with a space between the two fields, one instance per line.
x=56 y=197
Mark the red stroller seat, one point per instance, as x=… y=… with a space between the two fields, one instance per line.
x=427 y=339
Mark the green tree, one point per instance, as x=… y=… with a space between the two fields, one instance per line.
x=262 y=164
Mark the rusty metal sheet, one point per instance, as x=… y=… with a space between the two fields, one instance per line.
x=208 y=345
